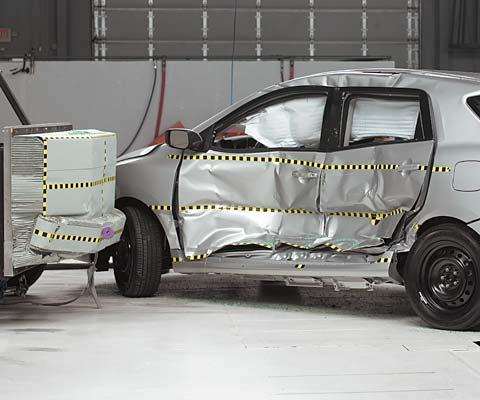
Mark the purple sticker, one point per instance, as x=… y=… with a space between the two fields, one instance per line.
x=108 y=233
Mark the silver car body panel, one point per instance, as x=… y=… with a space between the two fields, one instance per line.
x=229 y=202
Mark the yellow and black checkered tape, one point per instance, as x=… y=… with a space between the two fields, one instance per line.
x=161 y=207
x=306 y=163
x=298 y=246
x=334 y=247
x=375 y=218
x=196 y=257
x=266 y=245
x=44 y=177
x=299 y=266
x=244 y=208
x=435 y=168
x=76 y=238
x=82 y=137
x=80 y=185
x=56 y=236
x=384 y=260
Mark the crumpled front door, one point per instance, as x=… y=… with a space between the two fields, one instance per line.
x=265 y=198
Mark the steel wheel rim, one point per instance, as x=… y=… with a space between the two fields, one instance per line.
x=448 y=277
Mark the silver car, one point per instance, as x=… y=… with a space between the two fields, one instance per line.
x=346 y=178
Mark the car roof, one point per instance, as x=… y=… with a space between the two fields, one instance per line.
x=447 y=90
x=387 y=76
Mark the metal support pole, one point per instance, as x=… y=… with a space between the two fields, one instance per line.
x=413 y=34
x=364 y=28
x=96 y=30
x=258 y=29
x=204 y=29
x=311 y=29
x=150 y=29
x=103 y=29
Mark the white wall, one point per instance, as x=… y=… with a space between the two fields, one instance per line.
x=112 y=95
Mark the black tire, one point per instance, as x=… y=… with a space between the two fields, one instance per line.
x=442 y=277
x=31 y=275
x=137 y=260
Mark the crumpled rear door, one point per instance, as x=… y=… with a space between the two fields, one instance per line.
x=366 y=191
x=381 y=165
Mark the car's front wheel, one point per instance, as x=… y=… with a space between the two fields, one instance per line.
x=137 y=260
x=442 y=277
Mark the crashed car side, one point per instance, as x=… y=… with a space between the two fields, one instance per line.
x=340 y=212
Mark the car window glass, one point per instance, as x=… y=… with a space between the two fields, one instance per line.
x=379 y=120
x=293 y=123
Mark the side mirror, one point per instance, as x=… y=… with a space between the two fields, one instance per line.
x=183 y=139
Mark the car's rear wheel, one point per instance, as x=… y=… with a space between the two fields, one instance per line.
x=137 y=260
x=442 y=277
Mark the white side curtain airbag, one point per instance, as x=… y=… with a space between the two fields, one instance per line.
x=378 y=117
x=293 y=123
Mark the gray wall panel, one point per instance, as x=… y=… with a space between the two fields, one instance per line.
x=112 y=95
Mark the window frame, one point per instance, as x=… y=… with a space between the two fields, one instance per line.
x=472 y=103
x=350 y=93
x=263 y=101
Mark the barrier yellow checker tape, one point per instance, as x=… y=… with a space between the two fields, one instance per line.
x=291 y=161
x=77 y=238
x=44 y=177
x=80 y=185
x=79 y=137
x=177 y=259
x=299 y=266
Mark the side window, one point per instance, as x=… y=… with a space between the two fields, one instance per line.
x=378 y=120
x=292 y=123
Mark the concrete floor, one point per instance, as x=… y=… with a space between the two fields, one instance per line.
x=229 y=338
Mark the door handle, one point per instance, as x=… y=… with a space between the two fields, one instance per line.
x=408 y=167
x=305 y=174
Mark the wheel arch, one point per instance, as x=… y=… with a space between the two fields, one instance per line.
x=134 y=202
x=398 y=272
x=438 y=220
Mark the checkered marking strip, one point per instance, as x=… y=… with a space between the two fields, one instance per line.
x=80 y=185
x=386 y=260
x=375 y=218
x=196 y=257
x=244 y=208
x=160 y=207
x=76 y=238
x=44 y=177
x=312 y=164
x=80 y=137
